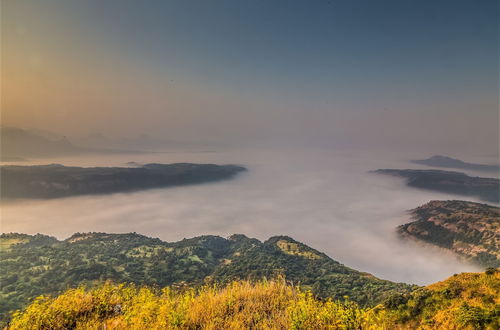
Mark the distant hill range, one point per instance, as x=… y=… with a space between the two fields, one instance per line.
x=448 y=162
x=39 y=264
x=52 y=181
x=17 y=144
x=487 y=189
x=471 y=230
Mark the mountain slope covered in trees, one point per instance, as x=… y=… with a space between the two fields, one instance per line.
x=35 y=265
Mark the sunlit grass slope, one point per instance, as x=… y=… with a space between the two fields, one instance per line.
x=465 y=301
x=240 y=305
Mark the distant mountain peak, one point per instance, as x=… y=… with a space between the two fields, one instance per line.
x=238 y=237
x=18 y=142
x=449 y=162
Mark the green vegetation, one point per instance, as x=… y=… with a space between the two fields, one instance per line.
x=469 y=229
x=466 y=301
x=39 y=264
x=52 y=181
x=240 y=305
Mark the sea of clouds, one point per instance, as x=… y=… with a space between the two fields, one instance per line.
x=326 y=199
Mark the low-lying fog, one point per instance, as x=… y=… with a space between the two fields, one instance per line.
x=325 y=199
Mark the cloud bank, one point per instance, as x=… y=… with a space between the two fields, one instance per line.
x=325 y=199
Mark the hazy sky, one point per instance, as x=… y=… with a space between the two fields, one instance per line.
x=350 y=72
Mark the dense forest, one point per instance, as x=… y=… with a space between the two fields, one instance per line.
x=465 y=301
x=469 y=229
x=39 y=264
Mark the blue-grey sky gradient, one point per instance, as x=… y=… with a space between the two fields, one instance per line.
x=352 y=70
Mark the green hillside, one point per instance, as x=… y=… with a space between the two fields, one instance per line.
x=35 y=265
x=464 y=301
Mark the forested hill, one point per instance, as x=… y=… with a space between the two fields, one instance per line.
x=469 y=229
x=52 y=181
x=35 y=265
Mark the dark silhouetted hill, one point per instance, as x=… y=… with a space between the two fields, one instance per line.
x=52 y=181
x=448 y=162
x=487 y=189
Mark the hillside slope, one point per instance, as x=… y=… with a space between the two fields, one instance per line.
x=471 y=230
x=465 y=301
x=240 y=305
x=34 y=265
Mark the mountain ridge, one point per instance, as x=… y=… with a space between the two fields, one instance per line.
x=48 y=266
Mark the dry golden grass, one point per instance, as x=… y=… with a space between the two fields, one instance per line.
x=241 y=305
x=466 y=301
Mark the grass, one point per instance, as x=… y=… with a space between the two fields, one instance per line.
x=240 y=305
x=465 y=301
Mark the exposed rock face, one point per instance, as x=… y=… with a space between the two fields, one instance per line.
x=471 y=230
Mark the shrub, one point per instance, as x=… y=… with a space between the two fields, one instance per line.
x=240 y=305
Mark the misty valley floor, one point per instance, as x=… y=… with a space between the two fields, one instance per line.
x=326 y=200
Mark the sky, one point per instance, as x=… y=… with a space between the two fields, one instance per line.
x=338 y=73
